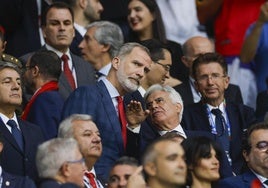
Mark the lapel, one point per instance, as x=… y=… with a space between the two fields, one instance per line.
x=26 y=134
x=188 y=95
x=8 y=180
x=200 y=115
x=111 y=113
x=8 y=136
x=248 y=178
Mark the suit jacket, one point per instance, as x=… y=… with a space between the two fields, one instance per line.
x=85 y=74
x=50 y=183
x=262 y=105
x=240 y=117
x=12 y=181
x=232 y=93
x=242 y=181
x=76 y=41
x=18 y=162
x=96 y=101
x=20 y=20
x=46 y=113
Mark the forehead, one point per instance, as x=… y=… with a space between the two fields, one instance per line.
x=212 y=67
x=136 y=3
x=259 y=135
x=123 y=169
x=9 y=72
x=81 y=125
x=200 y=47
x=59 y=14
x=157 y=94
x=168 y=148
x=141 y=55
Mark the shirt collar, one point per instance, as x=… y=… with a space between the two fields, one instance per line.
x=178 y=128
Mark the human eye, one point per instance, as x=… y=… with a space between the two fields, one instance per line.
x=215 y=75
x=159 y=100
x=149 y=105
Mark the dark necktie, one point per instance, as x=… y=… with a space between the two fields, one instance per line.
x=122 y=118
x=219 y=121
x=91 y=178
x=16 y=133
x=67 y=71
x=98 y=75
x=266 y=182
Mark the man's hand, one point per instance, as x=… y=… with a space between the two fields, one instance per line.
x=135 y=114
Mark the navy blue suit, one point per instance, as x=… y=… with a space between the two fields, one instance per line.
x=75 y=43
x=96 y=101
x=46 y=113
x=50 y=183
x=240 y=117
x=232 y=93
x=18 y=162
x=242 y=181
x=12 y=181
x=85 y=74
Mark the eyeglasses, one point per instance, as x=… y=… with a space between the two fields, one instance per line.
x=82 y=160
x=166 y=67
x=158 y=101
x=262 y=146
x=213 y=77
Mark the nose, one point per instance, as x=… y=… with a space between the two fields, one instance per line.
x=167 y=75
x=122 y=182
x=131 y=14
x=96 y=138
x=100 y=7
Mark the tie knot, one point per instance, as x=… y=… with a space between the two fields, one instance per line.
x=90 y=175
x=119 y=99
x=12 y=123
x=216 y=112
x=64 y=57
x=266 y=182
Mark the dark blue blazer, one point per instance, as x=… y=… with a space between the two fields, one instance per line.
x=50 y=183
x=85 y=73
x=232 y=93
x=240 y=117
x=242 y=181
x=18 y=162
x=12 y=181
x=46 y=113
x=76 y=41
x=262 y=105
x=96 y=101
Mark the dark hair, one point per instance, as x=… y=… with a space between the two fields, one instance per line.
x=57 y=5
x=246 y=143
x=207 y=58
x=48 y=62
x=196 y=148
x=125 y=160
x=158 y=25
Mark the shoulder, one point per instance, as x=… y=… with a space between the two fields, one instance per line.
x=19 y=181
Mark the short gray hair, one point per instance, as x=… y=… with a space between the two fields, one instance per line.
x=108 y=33
x=173 y=94
x=66 y=126
x=52 y=154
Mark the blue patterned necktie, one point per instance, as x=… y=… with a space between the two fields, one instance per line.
x=16 y=133
x=219 y=119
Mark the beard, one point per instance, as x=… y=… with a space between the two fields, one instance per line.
x=125 y=81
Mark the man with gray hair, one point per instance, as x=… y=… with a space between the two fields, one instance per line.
x=100 y=44
x=103 y=101
x=59 y=161
x=85 y=132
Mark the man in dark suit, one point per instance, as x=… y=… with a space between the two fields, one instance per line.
x=58 y=31
x=262 y=103
x=255 y=154
x=214 y=113
x=10 y=180
x=102 y=100
x=21 y=138
x=191 y=49
x=41 y=76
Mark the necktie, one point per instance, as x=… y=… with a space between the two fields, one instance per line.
x=91 y=178
x=122 y=118
x=98 y=75
x=266 y=182
x=16 y=133
x=219 y=121
x=67 y=71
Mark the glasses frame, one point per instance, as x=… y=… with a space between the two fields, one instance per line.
x=166 y=67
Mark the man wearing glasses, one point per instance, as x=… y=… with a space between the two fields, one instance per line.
x=215 y=113
x=255 y=152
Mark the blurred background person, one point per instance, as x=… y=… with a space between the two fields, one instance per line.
x=202 y=159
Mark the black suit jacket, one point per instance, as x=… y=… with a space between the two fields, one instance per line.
x=18 y=162
x=12 y=181
x=232 y=93
x=76 y=41
x=262 y=105
x=240 y=117
x=85 y=73
x=50 y=183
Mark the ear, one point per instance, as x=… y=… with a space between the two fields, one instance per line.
x=4 y=46
x=196 y=86
x=227 y=82
x=1 y=146
x=245 y=155
x=105 y=47
x=35 y=71
x=83 y=3
x=184 y=60
x=116 y=63
x=65 y=170
x=178 y=107
x=150 y=168
x=44 y=31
